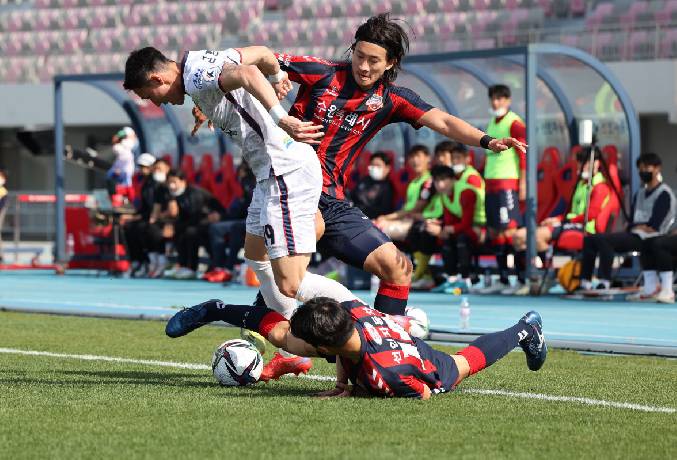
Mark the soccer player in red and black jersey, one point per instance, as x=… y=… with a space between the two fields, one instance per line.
x=374 y=351
x=353 y=100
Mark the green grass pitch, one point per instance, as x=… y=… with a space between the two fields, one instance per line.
x=54 y=407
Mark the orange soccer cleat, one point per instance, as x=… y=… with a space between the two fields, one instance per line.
x=280 y=365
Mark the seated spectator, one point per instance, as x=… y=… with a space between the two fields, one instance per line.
x=226 y=237
x=462 y=227
x=556 y=227
x=375 y=193
x=192 y=209
x=658 y=262
x=397 y=224
x=653 y=213
x=135 y=229
x=444 y=151
x=158 y=222
x=3 y=204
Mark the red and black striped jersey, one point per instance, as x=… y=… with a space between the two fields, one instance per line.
x=392 y=363
x=329 y=96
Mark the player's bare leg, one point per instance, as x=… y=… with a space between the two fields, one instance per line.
x=394 y=270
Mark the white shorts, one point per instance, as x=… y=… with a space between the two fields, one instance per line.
x=283 y=208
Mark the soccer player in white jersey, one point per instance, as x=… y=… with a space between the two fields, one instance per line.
x=231 y=90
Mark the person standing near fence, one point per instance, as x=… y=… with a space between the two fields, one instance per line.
x=3 y=204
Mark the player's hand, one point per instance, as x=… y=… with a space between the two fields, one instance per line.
x=341 y=390
x=282 y=88
x=301 y=131
x=433 y=227
x=499 y=145
x=200 y=118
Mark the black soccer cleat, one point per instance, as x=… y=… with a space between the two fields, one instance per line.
x=535 y=348
x=188 y=319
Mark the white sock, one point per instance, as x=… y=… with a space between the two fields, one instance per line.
x=650 y=281
x=586 y=285
x=666 y=283
x=271 y=294
x=318 y=286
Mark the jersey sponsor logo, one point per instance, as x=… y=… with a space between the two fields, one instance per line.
x=197 y=79
x=375 y=102
x=333 y=91
x=210 y=56
x=373 y=333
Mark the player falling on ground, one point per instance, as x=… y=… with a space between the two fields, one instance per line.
x=230 y=89
x=375 y=353
x=353 y=101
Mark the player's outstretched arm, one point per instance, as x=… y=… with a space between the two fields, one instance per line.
x=280 y=336
x=250 y=78
x=264 y=58
x=455 y=128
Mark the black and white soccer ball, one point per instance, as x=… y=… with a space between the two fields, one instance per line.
x=236 y=363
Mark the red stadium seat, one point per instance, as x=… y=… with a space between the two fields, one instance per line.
x=547 y=189
x=204 y=177
x=188 y=167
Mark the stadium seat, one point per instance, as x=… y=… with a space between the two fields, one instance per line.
x=545 y=176
x=204 y=177
x=188 y=167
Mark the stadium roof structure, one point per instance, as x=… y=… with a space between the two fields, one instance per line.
x=553 y=86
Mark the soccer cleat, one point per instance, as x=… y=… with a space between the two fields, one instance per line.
x=254 y=338
x=279 y=366
x=188 y=319
x=665 y=297
x=495 y=288
x=218 y=275
x=535 y=348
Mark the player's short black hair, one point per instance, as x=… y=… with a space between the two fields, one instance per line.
x=140 y=63
x=649 y=159
x=450 y=146
x=417 y=148
x=179 y=174
x=442 y=172
x=322 y=322
x=583 y=156
x=161 y=160
x=499 y=91
x=382 y=155
x=388 y=34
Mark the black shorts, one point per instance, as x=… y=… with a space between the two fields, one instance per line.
x=502 y=209
x=349 y=235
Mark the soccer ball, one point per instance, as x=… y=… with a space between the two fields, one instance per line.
x=419 y=326
x=236 y=363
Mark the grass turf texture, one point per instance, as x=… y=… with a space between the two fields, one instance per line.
x=65 y=408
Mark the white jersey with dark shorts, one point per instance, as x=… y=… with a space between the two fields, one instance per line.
x=288 y=173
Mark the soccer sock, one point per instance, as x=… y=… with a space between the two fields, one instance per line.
x=314 y=285
x=391 y=298
x=260 y=319
x=521 y=265
x=650 y=281
x=666 y=283
x=489 y=348
x=271 y=294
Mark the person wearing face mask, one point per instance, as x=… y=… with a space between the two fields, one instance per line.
x=136 y=229
x=462 y=227
x=3 y=204
x=505 y=177
x=571 y=225
x=193 y=210
x=122 y=170
x=374 y=194
x=653 y=213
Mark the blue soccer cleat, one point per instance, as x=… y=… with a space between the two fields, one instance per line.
x=188 y=319
x=535 y=348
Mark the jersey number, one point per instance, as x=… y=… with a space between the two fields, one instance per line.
x=269 y=235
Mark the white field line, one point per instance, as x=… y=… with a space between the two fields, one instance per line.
x=511 y=394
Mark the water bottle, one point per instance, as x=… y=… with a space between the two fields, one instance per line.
x=375 y=283
x=70 y=245
x=465 y=313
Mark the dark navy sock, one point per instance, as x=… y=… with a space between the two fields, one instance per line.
x=391 y=298
x=489 y=348
x=247 y=316
x=521 y=265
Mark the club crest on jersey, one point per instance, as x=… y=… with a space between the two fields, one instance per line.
x=375 y=102
x=210 y=74
x=197 y=80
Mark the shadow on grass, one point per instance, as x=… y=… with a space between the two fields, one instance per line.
x=173 y=379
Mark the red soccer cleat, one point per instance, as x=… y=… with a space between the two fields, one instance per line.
x=279 y=366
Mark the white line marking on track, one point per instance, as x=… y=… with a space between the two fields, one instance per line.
x=202 y=367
